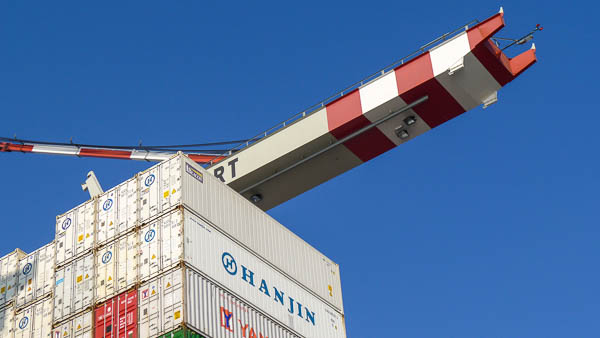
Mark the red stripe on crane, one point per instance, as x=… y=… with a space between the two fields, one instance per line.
x=6 y=146
x=345 y=116
x=205 y=158
x=415 y=79
x=105 y=153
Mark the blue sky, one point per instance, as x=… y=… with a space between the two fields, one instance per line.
x=484 y=227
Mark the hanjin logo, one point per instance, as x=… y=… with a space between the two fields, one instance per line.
x=106 y=257
x=23 y=323
x=149 y=235
x=27 y=268
x=229 y=263
x=66 y=224
x=149 y=180
x=108 y=204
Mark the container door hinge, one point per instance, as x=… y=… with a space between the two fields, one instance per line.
x=490 y=100
x=458 y=65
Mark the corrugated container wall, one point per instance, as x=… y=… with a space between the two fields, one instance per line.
x=36 y=275
x=9 y=276
x=257 y=282
x=74 y=287
x=168 y=301
x=181 y=181
x=79 y=327
x=75 y=232
x=34 y=321
x=117 y=317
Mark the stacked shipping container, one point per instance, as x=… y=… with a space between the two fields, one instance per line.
x=169 y=250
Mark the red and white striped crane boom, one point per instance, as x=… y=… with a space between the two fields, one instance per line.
x=443 y=79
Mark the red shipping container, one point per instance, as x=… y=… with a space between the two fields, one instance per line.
x=117 y=317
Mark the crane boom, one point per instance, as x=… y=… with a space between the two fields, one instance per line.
x=443 y=79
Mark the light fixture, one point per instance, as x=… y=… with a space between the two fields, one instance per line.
x=256 y=198
x=401 y=133
x=410 y=120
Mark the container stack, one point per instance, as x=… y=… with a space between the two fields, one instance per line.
x=171 y=252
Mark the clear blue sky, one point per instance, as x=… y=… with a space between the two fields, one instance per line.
x=483 y=227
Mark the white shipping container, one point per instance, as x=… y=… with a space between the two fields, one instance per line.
x=78 y=327
x=117 y=211
x=9 y=276
x=74 y=287
x=181 y=181
x=182 y=296
x=7 y=320
x=116 y=267
x=237 y=269
x=161 y=245
x=75 y=233
x=36 y=275
x=35 y=321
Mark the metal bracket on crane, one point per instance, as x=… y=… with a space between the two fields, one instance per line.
x=458 y=65
x=490 y=100
x=92 y=185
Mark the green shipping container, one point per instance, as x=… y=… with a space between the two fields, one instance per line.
x=182 y=333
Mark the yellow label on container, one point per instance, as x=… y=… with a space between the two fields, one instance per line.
x=177 y=314
x=79 y=278
x=80 y=238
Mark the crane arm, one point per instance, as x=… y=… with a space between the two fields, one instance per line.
x=117 y=153
x=443 y=79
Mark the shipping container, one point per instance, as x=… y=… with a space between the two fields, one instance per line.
x=116 y=267
x=9 y=276
x=7 y=319
x=117 y=317
x=184 y=297
x=80 y=326
x=181 y=181
x=74 y=287
x=34 y=321
x=75 y=235
x=183 y=332
x=161 y=245
x=117 y=211
x=183 y=236
x=36 y=275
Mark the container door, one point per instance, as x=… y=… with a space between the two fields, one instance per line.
x=13 y=277
x=127 y=262
x=26 y=279
x=6 y=322
x=127 y=206
x=45 y=271
x=82 y=325
x=170 y=183
x=127 y=315
x=64 y=331
x=149 y=313
x=148 y=185
x=105 y=277
x=149 y=257
x=23 y=323
x=107 y=216
x=65 y=229
x=85 y=228
x=171 y=239
x=172 y=293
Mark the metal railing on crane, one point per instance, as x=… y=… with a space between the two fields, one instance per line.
x=315 y=107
